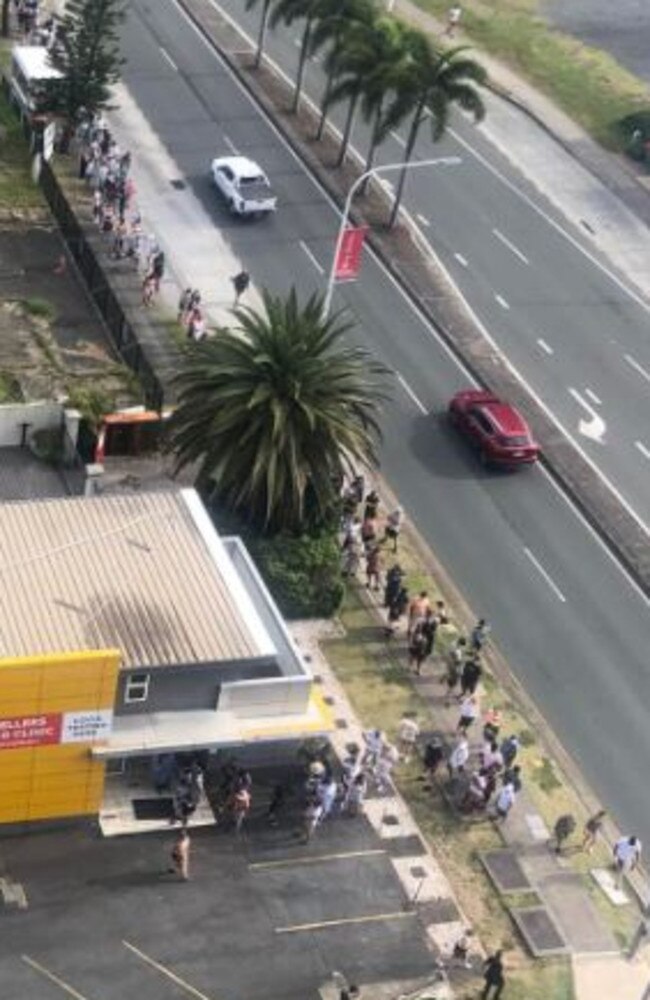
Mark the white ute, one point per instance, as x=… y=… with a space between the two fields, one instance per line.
x=244 y=186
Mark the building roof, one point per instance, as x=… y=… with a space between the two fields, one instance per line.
x=145 y=573
x=34 y=61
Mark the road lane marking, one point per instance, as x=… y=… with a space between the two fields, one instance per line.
x=540 y=569
x=324 y=924
x=637 y=367
x=169 y=59
x=593 y=397
x=398 y=139
x=643 y=449
x=409 y=392
x=164 y=971
x=423 y=219
x=230 y=144
x=61 y=983
x=257 y=866
x=515 y=250
x=428 y=327
x=593 y=428
x=551 y=222
x=545 y=347
x=502 y=302
x=461 y=260
x=297 y=42
x=315 y=262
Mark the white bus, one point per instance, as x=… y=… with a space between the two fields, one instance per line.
x=32 y=76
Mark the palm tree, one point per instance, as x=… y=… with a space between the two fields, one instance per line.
x=261 y=32
x=288 y=11
x=333 y=29
x=274 y=410
x=381 y=98
x=437 y=81
x=356 y=61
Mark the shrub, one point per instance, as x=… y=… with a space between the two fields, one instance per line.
x=302 y=572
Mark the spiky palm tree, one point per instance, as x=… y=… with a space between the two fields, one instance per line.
x=437 y=81
x=286 y=12
x=275 y=409
x=331 y=31
x=261 y=31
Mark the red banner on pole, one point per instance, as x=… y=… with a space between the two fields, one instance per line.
x=348 y=258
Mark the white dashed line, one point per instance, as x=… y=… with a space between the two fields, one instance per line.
x=297 y=42
x=409 y=392
x=169 y=59
x=461 y=260
x=317 y=265
x=398 y=139
x=423 y=219
x=502 y=302
x=593 y=397
x=515 y=250
x=545 y=347
x=639 y=445
x=540 y=569
x=637 y=367
x=230 y=144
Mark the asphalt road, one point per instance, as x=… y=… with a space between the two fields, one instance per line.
x=573 y=627
x=622 y=29
x=577 y=337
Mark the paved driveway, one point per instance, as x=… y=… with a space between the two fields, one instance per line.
x=262 y=917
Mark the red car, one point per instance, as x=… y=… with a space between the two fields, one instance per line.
x=495 y=428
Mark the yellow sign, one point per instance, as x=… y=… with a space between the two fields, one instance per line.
x=53 y=709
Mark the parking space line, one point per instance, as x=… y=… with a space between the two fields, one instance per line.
x=373 y=918
x=290 y=862
x=70 y=990
x=159 y=967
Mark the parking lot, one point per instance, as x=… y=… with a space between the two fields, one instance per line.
x=263 y=916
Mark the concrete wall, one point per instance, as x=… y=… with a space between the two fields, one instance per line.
x=188 y=688
x=39 y=416
x=264 y=698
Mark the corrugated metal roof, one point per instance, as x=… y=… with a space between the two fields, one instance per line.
x=144 y=573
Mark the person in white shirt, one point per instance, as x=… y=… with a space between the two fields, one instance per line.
x=407 y=733
x=505 y=800
x=627 y=854
x=453 y=20
x=468 y=713
x=458 y=757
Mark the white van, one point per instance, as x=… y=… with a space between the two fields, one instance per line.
x=31 y=75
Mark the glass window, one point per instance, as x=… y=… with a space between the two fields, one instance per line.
x=137 y=688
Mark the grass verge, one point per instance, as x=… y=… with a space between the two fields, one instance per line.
x=587 y=83
x=380 y=692
x=17 y=189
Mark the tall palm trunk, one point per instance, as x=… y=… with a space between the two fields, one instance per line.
x=374 y=142
x=418 y=118
x=261 y=34
x=324 y=107
x=5 y=18
x=304 y=48
x=347 y=131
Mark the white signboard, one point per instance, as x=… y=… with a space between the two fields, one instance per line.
x=49 y=134
x=86 y=727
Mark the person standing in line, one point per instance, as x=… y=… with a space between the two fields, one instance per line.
x=417 y=649
x=240 y=804
x=417 y=610
x=241 y=282
x=453 y=661
x=593 y=827
x=353 y=801
x=509 y=750
x=493 y=976
x=393 y=582
x=468 y=714
x=373 y=567
x=627 y=855
x=407 y=736
x=327 y=794
x=479 y=635
x=564 y=827
x=458 y=757
x=394 y=523
x=312 y=817
x=504 y=802
x=470 y=676
x=180 y=856
x=396 y=610
x=371 y=508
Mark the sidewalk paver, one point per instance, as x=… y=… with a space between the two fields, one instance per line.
x=610 y=978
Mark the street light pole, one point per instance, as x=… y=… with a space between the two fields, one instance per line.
x=440 y=161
